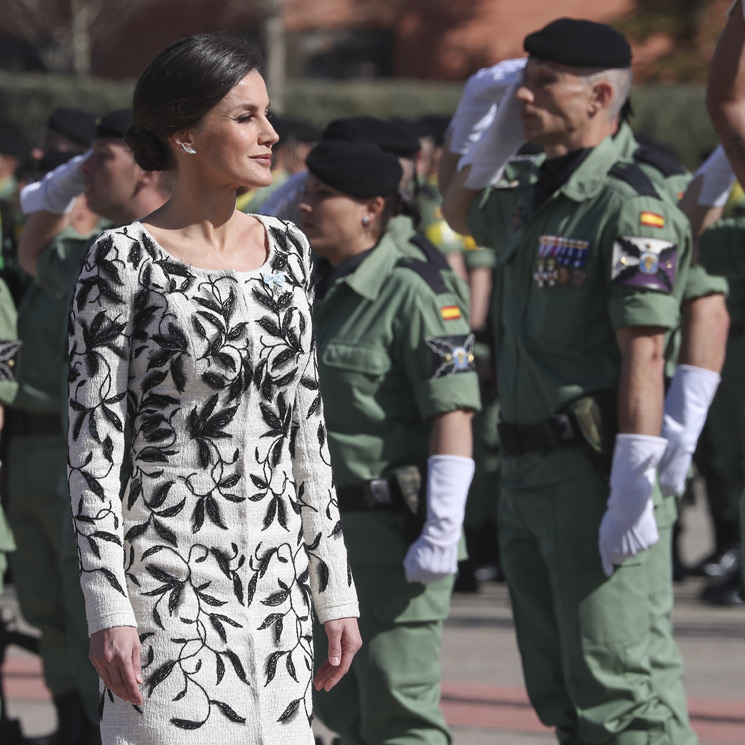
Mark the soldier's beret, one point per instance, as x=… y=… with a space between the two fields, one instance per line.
x=357 y=168
x=114 y=124
x=10 y=145
x=579 y=43
x=75 y=124
x=393 y=137
x=294 y=129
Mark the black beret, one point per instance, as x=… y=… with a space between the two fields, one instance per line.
x=434 y=126
x=77 y=125
x=114 y=124
x=294 y=129
x=579 y=43
x=393 y=137
x=10 y=145
x=357 y=168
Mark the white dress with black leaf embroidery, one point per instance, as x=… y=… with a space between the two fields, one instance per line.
x=225 y=530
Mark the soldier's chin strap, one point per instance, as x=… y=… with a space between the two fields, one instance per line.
x=732 y=7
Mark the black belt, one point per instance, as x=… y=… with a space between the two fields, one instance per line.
x=556 y=432
x=376 y=494
x=31 y=424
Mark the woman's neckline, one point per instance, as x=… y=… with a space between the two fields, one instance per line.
x=193 y=267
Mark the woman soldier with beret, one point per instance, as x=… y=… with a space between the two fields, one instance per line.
x=397 y=380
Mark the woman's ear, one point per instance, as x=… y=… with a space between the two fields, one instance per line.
x=182 y=142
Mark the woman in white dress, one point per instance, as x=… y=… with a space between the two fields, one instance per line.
x=192 y=360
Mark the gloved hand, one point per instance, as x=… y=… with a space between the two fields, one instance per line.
x=629 y=526
x=498 y=142
x=687 y=402
x=434 y=555
x=481 y=96
x=717 y=179
x=57 y=191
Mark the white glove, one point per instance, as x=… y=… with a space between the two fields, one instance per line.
x=717 y=178
x=687 y=402
x=481 y=96
x=496 y=145
x=434 y=555
x=57 y=191
x=629 y=526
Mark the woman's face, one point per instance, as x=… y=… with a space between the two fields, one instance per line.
x=332 y=220
x=234 y=140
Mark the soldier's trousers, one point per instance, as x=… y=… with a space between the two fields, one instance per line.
x=36 y=515
x=391 y=694
x=598 y=655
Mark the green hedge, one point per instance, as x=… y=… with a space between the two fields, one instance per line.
x=673 y=114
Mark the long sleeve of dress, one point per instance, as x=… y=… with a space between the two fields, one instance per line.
x=100 y=332
x=332 y=587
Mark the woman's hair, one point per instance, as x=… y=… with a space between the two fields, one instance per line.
x=394 y=205
x=180 y=86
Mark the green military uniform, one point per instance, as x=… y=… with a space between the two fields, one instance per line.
x=9 y=348
x=393 y=351
x=720 y=252
x=601 y=252
x=58 y=267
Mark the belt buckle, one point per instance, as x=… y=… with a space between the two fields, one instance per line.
x=377 y=493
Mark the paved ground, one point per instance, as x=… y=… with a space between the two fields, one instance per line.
x=483 y=697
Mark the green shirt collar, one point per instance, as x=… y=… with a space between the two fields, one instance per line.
x=368 y=279
x=590 y=177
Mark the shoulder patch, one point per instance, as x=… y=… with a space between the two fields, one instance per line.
x=652 y=220
x=451 y=354
x=644 y=262
x=635 y=177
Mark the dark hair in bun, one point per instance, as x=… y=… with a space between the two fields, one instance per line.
x=180 y=86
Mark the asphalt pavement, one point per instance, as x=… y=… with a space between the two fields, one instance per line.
x=483 y=695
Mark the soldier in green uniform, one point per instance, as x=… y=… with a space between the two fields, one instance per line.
x=592 y=262
x=9 y=352
x=397 y=380
x=51 y=251
x=720 y=251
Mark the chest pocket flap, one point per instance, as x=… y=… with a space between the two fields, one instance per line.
x=363 y=358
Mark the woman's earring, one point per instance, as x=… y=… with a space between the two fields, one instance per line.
x=188 y=149
x=366 y=221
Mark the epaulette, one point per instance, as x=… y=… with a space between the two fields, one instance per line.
x=430 y=269
x=668 y=165
x=635 y=177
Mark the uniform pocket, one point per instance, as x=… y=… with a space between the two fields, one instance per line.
x=364 y=358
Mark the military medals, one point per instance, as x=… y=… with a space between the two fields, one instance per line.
x=561 y=261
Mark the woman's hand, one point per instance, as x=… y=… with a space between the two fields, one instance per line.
x=115 y=653
x=344 y=641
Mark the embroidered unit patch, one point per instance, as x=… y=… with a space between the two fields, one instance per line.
x=451 y=354
x=652 y=220
x=644 y=262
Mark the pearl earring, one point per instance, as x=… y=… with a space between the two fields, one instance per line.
x=366 y=221
x=188 y=149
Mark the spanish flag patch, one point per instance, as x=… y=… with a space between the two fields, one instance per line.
x=450 y=312
x=652 y=219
